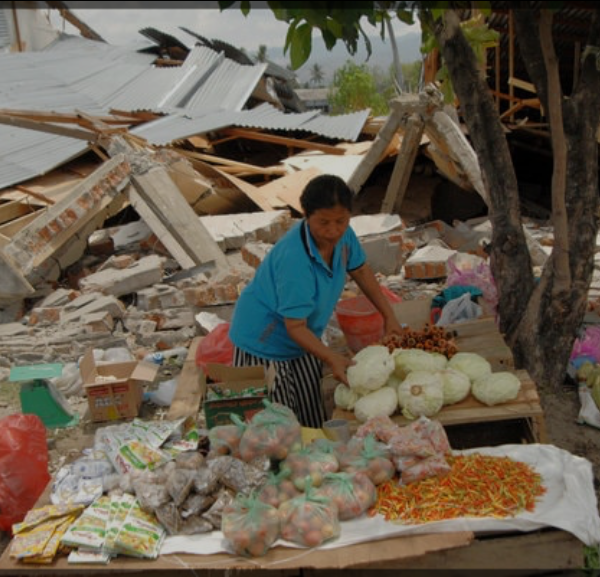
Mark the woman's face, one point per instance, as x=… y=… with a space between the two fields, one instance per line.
x=328 y=225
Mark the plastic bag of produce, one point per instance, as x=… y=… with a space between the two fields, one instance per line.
x=368 y=456
x=272 y=432
x=309 y=519
x=309 y=462
x=353 y=493
x=250 y=526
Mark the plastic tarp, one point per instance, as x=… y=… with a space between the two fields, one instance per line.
x=569 y=504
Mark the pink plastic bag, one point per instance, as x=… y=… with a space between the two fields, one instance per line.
x=23 y=466
x=588 y=345
x=479 y=276
x=215 y=347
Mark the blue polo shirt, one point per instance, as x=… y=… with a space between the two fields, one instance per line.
x=293 y=281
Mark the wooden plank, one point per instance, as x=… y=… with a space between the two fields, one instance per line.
x=548 y=551
x=251 y=168
x=188 y=394
x=376 y=152
x=470 y=410
x=223 y=182
x=181 y=229
x=49 y=128
x=12 y=210
x=283 y=140
x=403 y=167
x=289 y=188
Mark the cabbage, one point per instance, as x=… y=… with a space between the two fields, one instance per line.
x=383 y=401
x=472 y=364
x=374 y=365
x=407 y=360
x=496 y=388
x=421 y=393
x=344 y=397
x=457 y=386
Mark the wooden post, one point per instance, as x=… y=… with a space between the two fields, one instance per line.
x=373 y=156
x=511 y=58
x=405 y=160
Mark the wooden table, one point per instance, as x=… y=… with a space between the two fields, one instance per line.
x=526 y=408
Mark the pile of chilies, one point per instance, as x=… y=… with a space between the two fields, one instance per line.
x=477 y=486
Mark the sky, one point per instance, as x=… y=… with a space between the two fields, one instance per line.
x=120 y=26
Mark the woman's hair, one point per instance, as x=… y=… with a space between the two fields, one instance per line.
x=325 y=191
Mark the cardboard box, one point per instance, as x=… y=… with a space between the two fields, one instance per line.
x=115 y=390
x=237 y=379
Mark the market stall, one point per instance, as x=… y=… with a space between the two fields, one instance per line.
x=548 y=534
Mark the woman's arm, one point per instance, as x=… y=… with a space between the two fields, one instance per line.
x=366 y=281
x=300 y=333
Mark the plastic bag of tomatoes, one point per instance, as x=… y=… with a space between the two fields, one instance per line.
x=250 y=526
x=309 y=519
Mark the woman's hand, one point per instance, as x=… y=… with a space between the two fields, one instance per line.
x=339 y=365
x=392 y=326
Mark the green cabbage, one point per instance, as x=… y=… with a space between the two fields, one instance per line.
x=373 y=366
x=408 y=360
x=496 y=388
x=421 y=393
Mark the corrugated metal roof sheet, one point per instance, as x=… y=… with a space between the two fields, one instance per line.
x=176 y=127
x=4 y=28
x=72 y=74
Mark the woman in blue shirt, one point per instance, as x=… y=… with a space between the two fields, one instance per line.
x=280 y=316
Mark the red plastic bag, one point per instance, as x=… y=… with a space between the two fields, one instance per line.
x=215 y=347
x=23 y=466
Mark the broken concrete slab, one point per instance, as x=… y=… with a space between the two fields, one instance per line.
x=142 y=273
x=35 y=247
x=85 y=305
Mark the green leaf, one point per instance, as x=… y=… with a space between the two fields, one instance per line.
x=405 y=16
x=301 y=45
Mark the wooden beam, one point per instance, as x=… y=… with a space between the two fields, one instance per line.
x=50 y=128
x=403 y=166
x=17 y=28
x=373 y=157
x=37 y=195
x=250 y=168
x=166 y=211
x=522 y=84
x=283 y=140
x=63 y=117
x=85 y=30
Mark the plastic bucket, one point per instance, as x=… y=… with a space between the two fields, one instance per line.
x=361 y=323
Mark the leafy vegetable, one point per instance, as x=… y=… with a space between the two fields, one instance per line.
x=421 y=393
x=374 y=365
x=496 y=388
x=383 y=401
x=408 y=360
x=472 y=364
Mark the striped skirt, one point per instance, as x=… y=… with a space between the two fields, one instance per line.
x=297 y=385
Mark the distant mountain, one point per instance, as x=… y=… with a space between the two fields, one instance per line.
x=329 y=61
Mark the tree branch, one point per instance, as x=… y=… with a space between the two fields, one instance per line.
x=562 y=272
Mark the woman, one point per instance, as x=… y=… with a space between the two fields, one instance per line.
x=281 y=314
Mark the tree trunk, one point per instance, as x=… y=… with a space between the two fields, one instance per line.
x=554 y=314
x=539 y=320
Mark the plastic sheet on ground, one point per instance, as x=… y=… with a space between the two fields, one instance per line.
x=569 y=504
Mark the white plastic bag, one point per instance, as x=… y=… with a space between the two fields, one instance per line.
x=588 y=412
x=458 y=310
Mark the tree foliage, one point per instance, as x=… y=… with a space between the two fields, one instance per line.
x=354 y=88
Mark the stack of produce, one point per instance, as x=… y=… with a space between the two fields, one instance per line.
x=419 y=382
